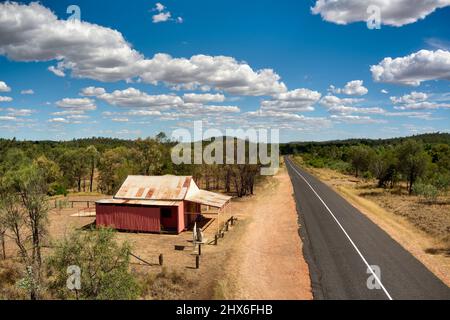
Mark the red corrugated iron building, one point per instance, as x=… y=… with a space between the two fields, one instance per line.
x=156 y=204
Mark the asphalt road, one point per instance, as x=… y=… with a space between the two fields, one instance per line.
x=349 y=256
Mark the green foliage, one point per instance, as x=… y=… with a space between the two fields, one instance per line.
x=23 y=211
x=441 y=181
x=413 y=161
x=424 y=157
x=384 y=167
x=49 y=169
x=104 y=267
x=57 y=190
x=360 y=158
x=429 y=192
x=93 y=157
x=74 y=165
x=115 y=166
x=316 y=162
x=103 y=164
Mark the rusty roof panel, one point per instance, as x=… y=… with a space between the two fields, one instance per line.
x=140 y=192
x=154 y=188
x=165 y=191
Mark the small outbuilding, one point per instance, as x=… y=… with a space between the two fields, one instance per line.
x=157 y=204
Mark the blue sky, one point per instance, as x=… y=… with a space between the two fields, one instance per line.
x=306 y=52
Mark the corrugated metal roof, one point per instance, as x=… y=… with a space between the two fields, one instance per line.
x=164 y=191
x=159 y=203
x=208 y=198
x=154 y=188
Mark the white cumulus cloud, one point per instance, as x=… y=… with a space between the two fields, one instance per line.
x=5 y=99
x=203 y=98
x=292 y=101
x=4 y=87
x=393 y=12
x=92 y=91
x=414 y=69
x=352 y=88
x=418 y=101
x=134 y=98
x=59 y=120
x=346 y=106
x=34 y=33
x=413 y=97
x=80 y=104
x=163 y=15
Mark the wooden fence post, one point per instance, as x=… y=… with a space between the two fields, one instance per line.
x=197 y=262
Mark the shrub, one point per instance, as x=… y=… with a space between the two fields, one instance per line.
x=340 y=166
x=429 y=192
x=442 y=182
x=57 y=190
x=104 y=266
x=368 y=175
x=316 y=163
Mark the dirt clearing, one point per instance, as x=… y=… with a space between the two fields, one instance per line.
x=267 y=260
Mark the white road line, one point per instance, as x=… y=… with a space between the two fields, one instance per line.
x=345 y=232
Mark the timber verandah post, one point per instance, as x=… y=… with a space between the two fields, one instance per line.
x=224 y=210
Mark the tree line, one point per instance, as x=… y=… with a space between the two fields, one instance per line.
x=101 y=164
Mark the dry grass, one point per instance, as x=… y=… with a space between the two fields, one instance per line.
x=165 y=285
x=9 y=275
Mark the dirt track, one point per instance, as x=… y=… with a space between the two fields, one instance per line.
x=267 y=262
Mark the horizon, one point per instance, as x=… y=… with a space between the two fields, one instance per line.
x=99 y=70
x=206 y=139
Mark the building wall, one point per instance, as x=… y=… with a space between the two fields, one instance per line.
x=129 y=218
x=181 y=218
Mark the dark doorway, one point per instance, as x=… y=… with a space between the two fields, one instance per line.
x=169 y=219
